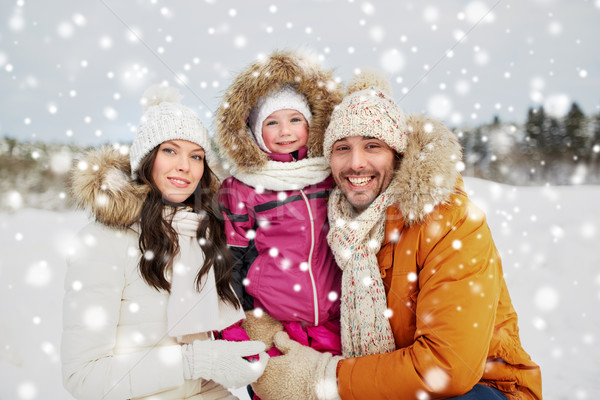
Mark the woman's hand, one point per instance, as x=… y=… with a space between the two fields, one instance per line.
x=224 y=362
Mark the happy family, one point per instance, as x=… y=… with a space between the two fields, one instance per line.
x=340 y=256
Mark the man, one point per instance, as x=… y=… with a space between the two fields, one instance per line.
x=426 y=313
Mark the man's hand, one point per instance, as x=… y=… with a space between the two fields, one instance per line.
x=299 y=373
x=261 y=326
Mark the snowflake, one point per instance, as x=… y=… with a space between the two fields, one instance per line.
x=546 y=298
x=39 y=274
x=437 y=379
x=95 y=317
x=27 y=390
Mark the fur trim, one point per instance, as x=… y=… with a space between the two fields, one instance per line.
x=258 y=80
x=101 y=185
x=428 y=170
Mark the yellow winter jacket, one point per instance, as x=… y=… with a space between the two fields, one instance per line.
x=452 y=317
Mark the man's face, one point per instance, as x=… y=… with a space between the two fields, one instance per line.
x=363 y=168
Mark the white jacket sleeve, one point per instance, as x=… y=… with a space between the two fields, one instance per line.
x=95 y=280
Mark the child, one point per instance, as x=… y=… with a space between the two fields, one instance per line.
x=148 y=283
x=270 y=126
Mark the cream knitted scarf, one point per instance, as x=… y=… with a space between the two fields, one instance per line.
x=355 y=241
x=295 y=175
x=190 y=311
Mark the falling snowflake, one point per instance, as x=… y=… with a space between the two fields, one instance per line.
x=27 y=390
x=392 y=61
x=546 y=298
x=95 y=317
x=437 y=379
x=39 y=274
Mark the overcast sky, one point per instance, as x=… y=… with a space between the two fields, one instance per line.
x=74 y=71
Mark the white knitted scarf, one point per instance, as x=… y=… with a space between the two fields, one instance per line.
x=277 y=175
x=190 y=311
x=355 y=240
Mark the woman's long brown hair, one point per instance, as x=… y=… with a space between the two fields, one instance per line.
x=159 y=242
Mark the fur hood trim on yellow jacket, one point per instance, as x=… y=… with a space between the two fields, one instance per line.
x=236 y=142
x=101 y=185
x=429 y=168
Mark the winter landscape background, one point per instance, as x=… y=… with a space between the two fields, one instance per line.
x=548 y=238
x=518 y=82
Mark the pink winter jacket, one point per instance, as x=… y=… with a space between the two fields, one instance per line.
x=283 y=262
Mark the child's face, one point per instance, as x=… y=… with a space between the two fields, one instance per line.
x=285 y=131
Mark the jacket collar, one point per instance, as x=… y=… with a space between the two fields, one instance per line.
x=287 y=157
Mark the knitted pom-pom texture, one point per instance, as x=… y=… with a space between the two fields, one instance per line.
x=157 y=94
x=369 y=78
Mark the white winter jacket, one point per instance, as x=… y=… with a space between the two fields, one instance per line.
x=115 y=343
x=115 y=326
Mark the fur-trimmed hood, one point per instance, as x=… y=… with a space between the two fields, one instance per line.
x=101 y=184
x=429 y=168
x=235 y=140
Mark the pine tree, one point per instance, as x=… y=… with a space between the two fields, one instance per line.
x=594 y=162
x=536 y=141
x=576 y=134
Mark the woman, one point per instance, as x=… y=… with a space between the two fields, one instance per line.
x=148 y=283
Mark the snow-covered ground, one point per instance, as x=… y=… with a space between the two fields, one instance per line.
x=547 y=237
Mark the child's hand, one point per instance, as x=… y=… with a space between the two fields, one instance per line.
x=261 y=328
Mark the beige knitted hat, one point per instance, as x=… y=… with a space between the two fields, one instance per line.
x=367 y=110
x=165 y=118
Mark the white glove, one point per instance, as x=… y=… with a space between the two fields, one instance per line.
x=223 y=361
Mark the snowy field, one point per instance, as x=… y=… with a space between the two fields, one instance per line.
x=548 y=238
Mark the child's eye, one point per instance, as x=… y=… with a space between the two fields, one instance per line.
x=271 y=123
x=296 y=119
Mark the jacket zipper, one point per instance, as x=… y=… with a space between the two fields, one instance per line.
x=310 y=255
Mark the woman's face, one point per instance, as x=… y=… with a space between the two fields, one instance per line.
x=177 y=169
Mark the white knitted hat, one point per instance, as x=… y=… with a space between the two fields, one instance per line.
x=165 y=118
x=286 y=98
x=367 y=111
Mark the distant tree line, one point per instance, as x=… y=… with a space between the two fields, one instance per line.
x=544 y=150
x=34 y=174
